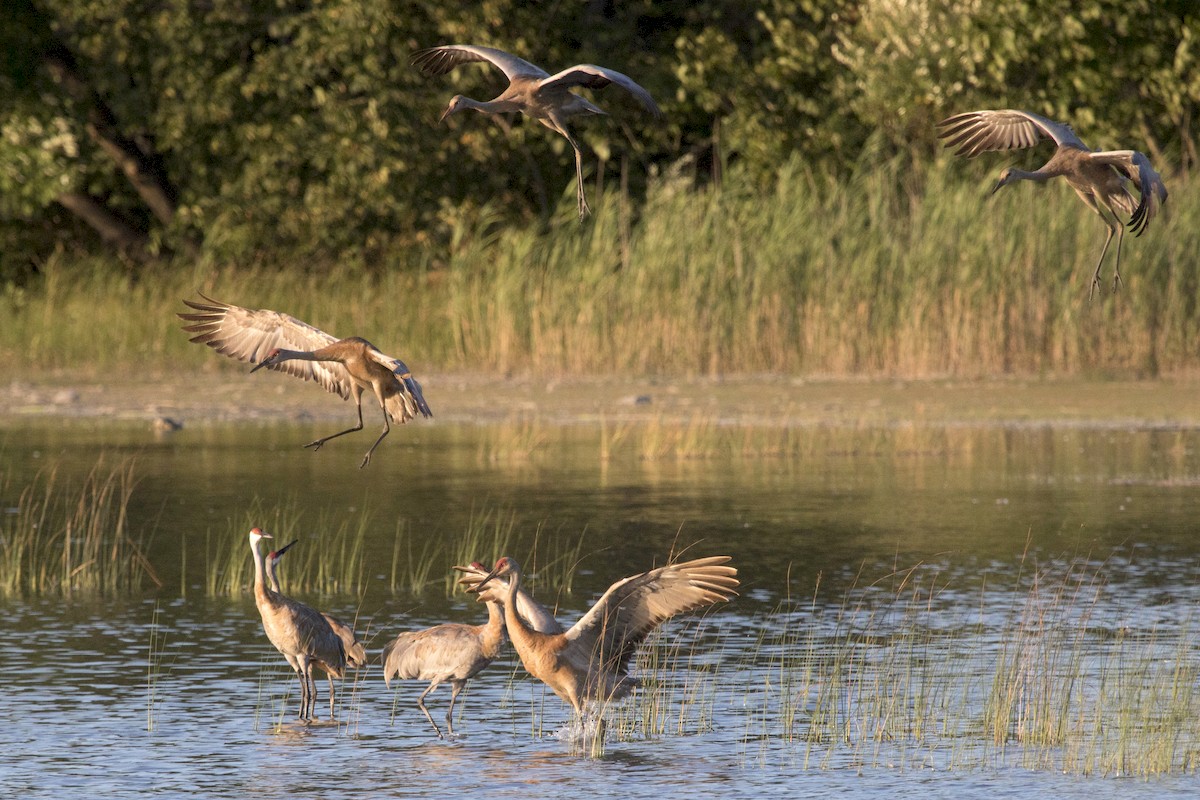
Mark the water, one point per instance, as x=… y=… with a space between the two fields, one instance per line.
x=923 y=542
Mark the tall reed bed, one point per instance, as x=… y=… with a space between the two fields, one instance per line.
x=63 y=535
x=1040 y=675
x=334 y=551
x=891 y=272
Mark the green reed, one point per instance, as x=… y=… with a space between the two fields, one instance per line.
x=331 y=557
x=897 y=674
x=894 y=272
x=67 y=535
x=154 y=667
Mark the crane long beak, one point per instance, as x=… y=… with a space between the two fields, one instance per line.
x=285 y=548
x=259 y=366
x=475 y=589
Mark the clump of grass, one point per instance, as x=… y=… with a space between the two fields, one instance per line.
x=899 y=673
x=329 y=559
x=64 y=537
x=154 y=667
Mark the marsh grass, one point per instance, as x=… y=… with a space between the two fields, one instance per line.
x=890 y=273
x=899 y=672
x=331 y=557
x=154 y=668
x=67 y=535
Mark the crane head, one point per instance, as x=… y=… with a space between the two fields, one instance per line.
x=275 y=555
x=504 y=567
x=1006 y=177
x=456 y=104
x=258 y=533
x=269 y=360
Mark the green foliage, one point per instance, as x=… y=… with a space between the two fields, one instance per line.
x=297 y=133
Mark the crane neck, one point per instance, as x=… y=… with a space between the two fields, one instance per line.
x=493 y=632
x=260 y=589
x=295 y=355
x=1039 y=176
x=516 y=625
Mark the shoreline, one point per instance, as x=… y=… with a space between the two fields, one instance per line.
x=767 y=401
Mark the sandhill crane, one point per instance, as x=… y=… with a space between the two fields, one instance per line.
x=346 y=367
x=1098 y=177
x=356 y=654
x=451 y=652
x=533 y=92
x=591 y=660
x=298 y=631
x=536 y=615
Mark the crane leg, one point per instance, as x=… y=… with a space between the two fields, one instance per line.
x=387 y=427
x=425 y=711
x=316 y=445
x=1117 y=269
x=303 y=715
x=456 y=687
x=1100 y=263
x=584 y=210
x=331 y=696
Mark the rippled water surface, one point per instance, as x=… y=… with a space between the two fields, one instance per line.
x=889 y=576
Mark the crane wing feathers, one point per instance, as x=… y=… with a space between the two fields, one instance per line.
x=356 y=654
x=435 y=61
x=976 y=132
x=248 y=334
x=410 y=401
x=608 y=635
x=444 y=652
x=1152 y=192
x=590 y=76
x=291 y=623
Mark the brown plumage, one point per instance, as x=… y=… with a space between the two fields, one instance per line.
x=298 y=631
x=591 y=660
x=345 y=367
x=533 y=92
x=356 y=653
x=451 y=652
x=1098 y=177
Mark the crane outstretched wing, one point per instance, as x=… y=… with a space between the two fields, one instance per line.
x=435 y=61
x=249 y=334
x=975 y=132
x=608 y=635
x=590 y=76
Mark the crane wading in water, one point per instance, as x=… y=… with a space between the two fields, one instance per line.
x=451 y=652
x=590 y=661
x=356 y=654
x=298 y=631
x=1098 y=177
x=533 y=92
x=346 y=367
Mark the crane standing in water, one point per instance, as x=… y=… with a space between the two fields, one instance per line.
x=451 y=652
x=298 y=631
x=1098 y=177
x=591 y=660
x=356 y=654
x=533 y=92
x=346 y=367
